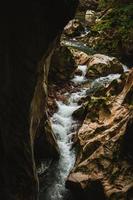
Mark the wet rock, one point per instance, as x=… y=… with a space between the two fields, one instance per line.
x=90 y=17
x=104 y=159
x=62 y=65
x=80 y=113
x=73 y=28
x=102 y=65
x=80 y=57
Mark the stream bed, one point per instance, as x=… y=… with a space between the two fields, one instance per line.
x=64 y=126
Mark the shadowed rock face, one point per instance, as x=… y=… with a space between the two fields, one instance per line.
x=27 y=30
x=62 y=65
x=88 y=4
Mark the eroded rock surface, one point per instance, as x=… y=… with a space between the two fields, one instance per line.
x=62 y=65
x=103 y=168
x=73 y=28
x=102 y=65
x=90 y=17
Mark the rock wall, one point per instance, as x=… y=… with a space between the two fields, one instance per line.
x=103 y=168
x=62 y=65
x=45 y=145
x=27 y=30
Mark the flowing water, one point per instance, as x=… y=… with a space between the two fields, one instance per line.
x=63 y=126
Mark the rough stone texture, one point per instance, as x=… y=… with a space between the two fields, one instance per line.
x=45 y=145
x=62 y=65
x=90 y=17
x=87 y=4
x=73 y=28
x=102 y=65
x=27 y=29
x=80 y=57
x=103 y=168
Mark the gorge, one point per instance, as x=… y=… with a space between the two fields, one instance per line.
x=66 y=100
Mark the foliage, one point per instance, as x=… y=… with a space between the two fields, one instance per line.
x=116 y=26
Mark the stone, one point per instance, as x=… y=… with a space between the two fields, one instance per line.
x=90 y=17
x=62 y=65
x=45 y=144
x=80 y=57
x=105 y=152
x=101 y=65
x=73 y=28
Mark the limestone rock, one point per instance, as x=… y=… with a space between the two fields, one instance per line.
x=62 y=65
x=103 y=168
x=80 y=57
x=73 y=28
x=102 y=65
x=45 y=145
x=90 y=17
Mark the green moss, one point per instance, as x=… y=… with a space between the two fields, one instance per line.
x=116 y=27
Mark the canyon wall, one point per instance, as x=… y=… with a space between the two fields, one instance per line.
x=27 y=31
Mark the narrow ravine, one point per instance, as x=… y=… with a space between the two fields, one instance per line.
x=64 y=127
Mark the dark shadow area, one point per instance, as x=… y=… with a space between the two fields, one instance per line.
x=127 y=146
x=94 y=192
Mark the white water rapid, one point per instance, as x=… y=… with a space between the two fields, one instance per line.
x=63 y=126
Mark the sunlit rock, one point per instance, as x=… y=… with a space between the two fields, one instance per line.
x=104 y=159
x=90 y=17
x=102 y=65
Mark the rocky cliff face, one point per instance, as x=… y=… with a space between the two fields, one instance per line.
x=27 y=30
x=45 y=145
x=103 y=168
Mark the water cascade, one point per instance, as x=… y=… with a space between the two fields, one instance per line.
x=64 y=125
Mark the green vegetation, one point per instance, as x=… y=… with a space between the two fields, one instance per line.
x=115 y=28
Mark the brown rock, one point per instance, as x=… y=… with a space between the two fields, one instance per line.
x=105 y=152
x=81 y=58
x=102 y=65
x=45 y=145
x=87 y=4
x=90 y=17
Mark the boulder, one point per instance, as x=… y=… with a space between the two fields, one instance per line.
x=80 y=57
x=62 y=65
x=102 y=65
x=103 y=168
x=73 y=28
x=90 y=17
